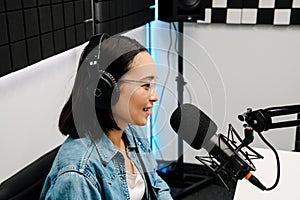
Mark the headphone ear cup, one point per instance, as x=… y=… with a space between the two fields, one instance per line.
x=101 y=93
x=106 y=94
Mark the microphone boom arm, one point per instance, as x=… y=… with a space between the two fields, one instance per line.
x=261 y=120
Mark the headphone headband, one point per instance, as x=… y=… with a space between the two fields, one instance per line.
x=100 y=84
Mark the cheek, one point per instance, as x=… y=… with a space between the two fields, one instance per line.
x=138 y=100
x=136 y=105
x=130 y=104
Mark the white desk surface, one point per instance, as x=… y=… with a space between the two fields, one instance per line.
x=289 y=183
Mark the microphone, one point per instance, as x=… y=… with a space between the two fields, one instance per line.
x=192 y=125
x=228 y=161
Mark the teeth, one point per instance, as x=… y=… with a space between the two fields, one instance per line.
x=146 y=109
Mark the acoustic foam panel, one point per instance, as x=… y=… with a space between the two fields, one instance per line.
x=272 y=12
x=5 y=64
x=47 y=45
x=80 y=33
x=43 y=2
x=2 y=8
x=31 y=22
x=70 y=37
x=29 y=3
x=3 y=31
x=45 y=19
x=69 y=14
x=16 y=26
x=58 y=16
x=59 y=41
x=37 y=29
x=87 y=9
x=19 y=55
x=79 y=11
x=34 y=50
x=13 y=5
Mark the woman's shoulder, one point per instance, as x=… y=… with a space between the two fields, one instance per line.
x=73 y=165
x=74 y=155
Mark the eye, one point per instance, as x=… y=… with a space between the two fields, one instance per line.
x=146 y=85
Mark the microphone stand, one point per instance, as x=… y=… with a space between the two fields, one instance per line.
x=297 y=141
x=180 y=89
x=178 y=178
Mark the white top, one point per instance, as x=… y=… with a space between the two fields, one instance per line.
x=136 y=184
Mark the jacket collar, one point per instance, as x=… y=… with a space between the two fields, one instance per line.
x=107 y=150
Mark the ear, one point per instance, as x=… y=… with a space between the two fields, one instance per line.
x=121 y=87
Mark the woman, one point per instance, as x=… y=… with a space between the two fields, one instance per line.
x=104 y=156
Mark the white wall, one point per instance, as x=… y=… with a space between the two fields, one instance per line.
x=257 y=65
x=30 y=104
x=229 y=68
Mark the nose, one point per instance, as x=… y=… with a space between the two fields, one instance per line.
x=153 y=96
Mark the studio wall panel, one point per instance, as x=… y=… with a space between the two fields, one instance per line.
x=34 y=50
x=56 y=1
x=69 y=13
x=37 y=29
x=180 y=10
x=31 y=22
x=32 y=30
x=295 y=16
x=269 y=12
x=3 y=31
x=45 y=19
x=5 y=60
x=88 y=30
x=58 y=16
x=79 y=11
x=19 y=55
x=43 y=2
x=80 y=33
x=47 y=45
x=13 y=4
x=2 y=6
x=272 y=12
x=87 y=9
x=70 y=37
x=29 y=3
x=16 y=26
x=59 y=41
x=115 y=16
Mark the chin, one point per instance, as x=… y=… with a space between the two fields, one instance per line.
x=141 y=123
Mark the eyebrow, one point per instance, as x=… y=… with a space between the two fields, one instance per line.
x=148 y=77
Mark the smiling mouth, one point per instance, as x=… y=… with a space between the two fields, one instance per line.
x=146 y=109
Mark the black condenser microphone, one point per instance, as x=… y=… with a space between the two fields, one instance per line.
x=228 y=161
x=192 y=125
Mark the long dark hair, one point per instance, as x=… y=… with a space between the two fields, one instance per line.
x=68 y=125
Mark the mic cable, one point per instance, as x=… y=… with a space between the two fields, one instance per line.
x=277 y=161
x=252 y=179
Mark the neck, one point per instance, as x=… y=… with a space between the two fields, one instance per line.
x=116 y=138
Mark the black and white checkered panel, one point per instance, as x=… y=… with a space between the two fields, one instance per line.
x=274 y=12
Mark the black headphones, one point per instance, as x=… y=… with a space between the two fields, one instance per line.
x=106 y=91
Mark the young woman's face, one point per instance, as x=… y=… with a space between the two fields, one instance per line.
x=137 y=92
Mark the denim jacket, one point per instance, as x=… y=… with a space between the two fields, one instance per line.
x=96 y=170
